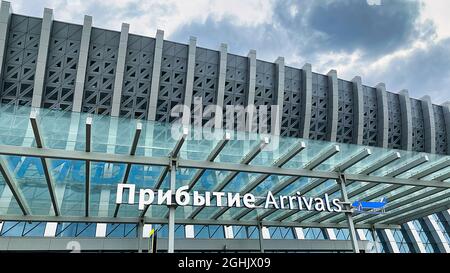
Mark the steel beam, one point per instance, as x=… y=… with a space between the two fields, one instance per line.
x=13 y=186
x=150 y=220
x=392 y=173
x=368 y=170
x=245 y=161
x=44 y=162
x=211 y=157
x=278 y=163
x=406 y=214
x=173 y=155
x=133 y=148
x=347 y=206
x=88 y=166
x=339 y=168
x=323 y=156
x=402 y=203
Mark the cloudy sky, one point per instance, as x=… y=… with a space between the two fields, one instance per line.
x=403 y=43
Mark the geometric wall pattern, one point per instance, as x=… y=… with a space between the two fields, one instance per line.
x=418 y=134
x=173 y=79
x=345 y=112
x=100 y=71
x=137 y=77
x=20 y=61
x=206 y=77
x=265 y=91
x=236 y=86
x=290 y=123
x=319 y=103
x=62 y=61
x=370 y=116
x=19 y=65
x=441 y=132
x=395 y=121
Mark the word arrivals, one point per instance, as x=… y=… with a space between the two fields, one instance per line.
x=182 y=197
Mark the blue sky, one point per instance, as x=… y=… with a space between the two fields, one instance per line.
x=403 y=43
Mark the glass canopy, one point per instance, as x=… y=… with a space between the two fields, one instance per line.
x=67 y=165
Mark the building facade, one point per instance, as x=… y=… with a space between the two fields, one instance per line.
x=65 y=68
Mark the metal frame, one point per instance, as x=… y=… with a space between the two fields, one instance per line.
x=88 y=165
x=44 y=162
x=173 y=161
x=245 y=161
x=173 y=157
x=261 y=178
x=133 y=148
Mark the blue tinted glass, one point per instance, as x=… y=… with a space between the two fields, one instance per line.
x=34 y=229
x=13 y=229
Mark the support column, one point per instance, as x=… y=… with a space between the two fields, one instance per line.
x=342 y=181
x=332 y=105
x=437 y=234
x=82 y=64
x=382 y=116
x=375 y=238
x=140 y=227
x=429 y=126
x=172 y=208
x=120 y=70
x=5 y=18
x=446 y=109
x=358 y=111
x=189 y=81
x=388 y=237
x=261 y=237
x=156 y=73
x=218 y=115
x=306 y=97
x=414 y=237
x=41 y=61
x=279 y=89
x=405 y=106
x=251 y=109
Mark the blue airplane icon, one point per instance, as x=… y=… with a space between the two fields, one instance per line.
x=370 y=207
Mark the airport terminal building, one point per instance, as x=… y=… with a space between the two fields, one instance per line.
x=93 y=159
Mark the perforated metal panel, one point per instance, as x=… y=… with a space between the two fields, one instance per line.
x=173 y=79
x=206 y=77
x=418 y=134
x=101 y=71
x=395 y=121
x=138 y=77
x=62 y=63
x=20 y=60
x=236 y=83
x=265 y=91
x=345 y=112
x=370 y=116
x=292 y=102
x=441 y=132
x=319 y=102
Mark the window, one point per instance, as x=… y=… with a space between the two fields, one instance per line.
x=314 y=234
x=245 y=232
x=281 y=233
x=23 y=229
